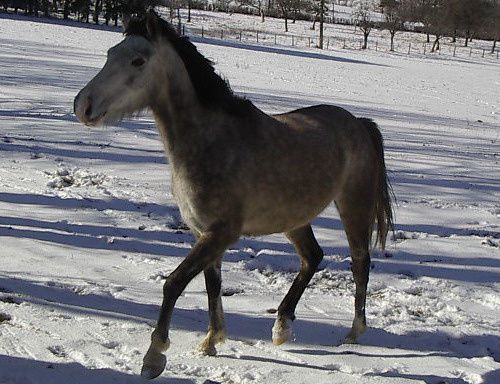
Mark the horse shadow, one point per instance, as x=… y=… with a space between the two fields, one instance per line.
x=251 y=327
x=24 y=370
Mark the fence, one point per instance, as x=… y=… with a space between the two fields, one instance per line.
x=332 y=42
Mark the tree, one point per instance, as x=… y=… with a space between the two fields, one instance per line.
x=394 y=17
x=286 y=6
x=362 y=15
x=471 y=15
x=492 y=25
x=258 y=5
x=438 y=24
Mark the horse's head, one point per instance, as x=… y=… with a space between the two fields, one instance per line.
x=129 y=79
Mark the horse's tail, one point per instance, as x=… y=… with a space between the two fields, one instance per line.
x=385 y=194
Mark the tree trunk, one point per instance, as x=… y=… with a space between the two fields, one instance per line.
x=45 y=8
x=189 y=11
x=392 y=40
x=97 y=11
x=428 y=37
x=262 y=16
x=494 y=45
x=321 y=23
x=66 y=9
x=365 y=39
x=467 y=38
x=179 y=24
x=435 y=46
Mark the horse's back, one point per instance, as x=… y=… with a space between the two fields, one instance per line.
x=322 y=116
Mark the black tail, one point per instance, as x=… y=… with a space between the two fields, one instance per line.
x=385 y=194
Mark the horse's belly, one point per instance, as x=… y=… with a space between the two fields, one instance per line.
x=276 y=217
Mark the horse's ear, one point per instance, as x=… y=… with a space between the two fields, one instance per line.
x=152 y=24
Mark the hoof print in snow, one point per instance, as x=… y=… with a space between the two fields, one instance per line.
x=111 y=344
x=57 y=351
x=35 y=156
x=231 y=291
x=491 y=243
x=10 y=300
x=4 y=317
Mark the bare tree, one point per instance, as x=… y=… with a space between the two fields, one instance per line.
x=394 y=17
x=363 y=16
x=286 y=7
x=258 y=5
x=471 y=16
x=492 y=25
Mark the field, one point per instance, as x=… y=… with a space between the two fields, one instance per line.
x=89 y=229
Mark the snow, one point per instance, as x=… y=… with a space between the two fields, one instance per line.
x=89 y=228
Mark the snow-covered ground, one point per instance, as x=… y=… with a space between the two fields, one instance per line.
x=88 y=227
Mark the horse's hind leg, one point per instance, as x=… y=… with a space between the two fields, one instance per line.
x=357 y=217
x=311 y=255
x=216 y=329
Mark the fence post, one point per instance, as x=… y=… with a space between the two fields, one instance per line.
x=376 y=46
x=275 y=39
x=222 y=34
x=409 y=48
x=292 y=40
x=240 y=35
x=483 y=52
x=425 y=46
x=183 y=29
x=309 y=42
x=202 y=31
x=327 y=43
x=344 y=45
x=470 y=52
x=454 y=50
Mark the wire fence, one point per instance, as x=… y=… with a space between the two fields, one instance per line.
x=354 y=42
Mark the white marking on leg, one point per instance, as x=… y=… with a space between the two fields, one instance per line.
x=282 y=331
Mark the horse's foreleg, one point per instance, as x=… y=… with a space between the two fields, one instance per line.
x=216 y=328
x=311 y=255
x=209 y=248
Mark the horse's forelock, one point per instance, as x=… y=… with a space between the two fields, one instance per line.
x=210 y=88
x=136 y=27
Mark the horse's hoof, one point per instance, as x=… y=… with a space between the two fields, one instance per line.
x=350 y=339
x=207 y=350
x=282 y=331
x=358 y=328
x=154 y=366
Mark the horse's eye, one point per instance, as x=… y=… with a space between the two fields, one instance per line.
x=138 y=62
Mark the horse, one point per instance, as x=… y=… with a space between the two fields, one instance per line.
x=237 y=171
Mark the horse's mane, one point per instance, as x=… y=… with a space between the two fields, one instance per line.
x=210 y=88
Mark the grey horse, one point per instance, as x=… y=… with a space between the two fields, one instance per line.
x=238 y=171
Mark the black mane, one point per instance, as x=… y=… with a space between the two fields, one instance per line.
x=210 y=88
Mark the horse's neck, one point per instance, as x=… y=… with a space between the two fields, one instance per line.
x=177 y=110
